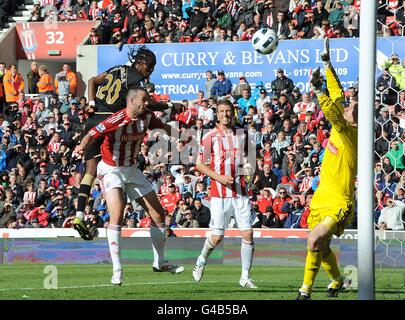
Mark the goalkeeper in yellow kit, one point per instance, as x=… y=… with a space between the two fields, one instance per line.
x=332 y=204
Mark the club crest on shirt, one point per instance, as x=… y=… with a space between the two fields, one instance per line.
x=332 y=148
x=100 y=127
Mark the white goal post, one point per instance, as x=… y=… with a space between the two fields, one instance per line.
x=365 y=204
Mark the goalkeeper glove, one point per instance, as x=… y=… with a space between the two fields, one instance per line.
x=317 y=81
x=325 y=55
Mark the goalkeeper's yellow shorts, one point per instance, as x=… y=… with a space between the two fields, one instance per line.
x=341 y=217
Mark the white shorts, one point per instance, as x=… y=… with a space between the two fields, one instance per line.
x=223 y=209
x=130 y=179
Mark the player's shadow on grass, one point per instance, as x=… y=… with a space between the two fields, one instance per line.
x=213 y=291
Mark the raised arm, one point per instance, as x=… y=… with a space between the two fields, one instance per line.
x=331 y=104
x=81 y=148
x=343 y=121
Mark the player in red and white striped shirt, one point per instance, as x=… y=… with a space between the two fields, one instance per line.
x=221 y=158
x=124 y=136
x=124 y=132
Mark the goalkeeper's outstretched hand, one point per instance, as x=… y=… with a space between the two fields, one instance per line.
x=317 y=79
x=325 y=55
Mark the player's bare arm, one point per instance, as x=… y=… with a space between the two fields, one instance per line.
x=81 y=148
x=93 y=84
x=206 y=170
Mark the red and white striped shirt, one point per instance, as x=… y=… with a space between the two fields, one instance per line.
x=123 y=136
x=223 y=151
x=185 y=116
x=93 y=12
x=305 y=184
x=301 y=108
x=53 y=146
x=48 y=3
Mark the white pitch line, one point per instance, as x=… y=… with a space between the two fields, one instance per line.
x=111 y=285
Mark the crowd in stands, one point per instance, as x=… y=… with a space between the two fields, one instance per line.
x=7 y=9
x=40 y=175
x=389 y=147
x=157 y=21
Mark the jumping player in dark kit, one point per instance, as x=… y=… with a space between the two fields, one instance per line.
x=107 y=93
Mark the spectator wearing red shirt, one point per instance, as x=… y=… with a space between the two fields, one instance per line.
x=305 y=214
x=136 y=37
x=145 y=222
x=264 y=200
x=164 y=189
x=327 y=29
x=169 y=201
x=82 y=16
x=278 y=203
x=186 y=115
x=310 y=121
x=266 y=153
x=40 y=215
x=54 y=144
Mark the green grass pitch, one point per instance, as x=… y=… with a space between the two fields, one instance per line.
x=220 y=282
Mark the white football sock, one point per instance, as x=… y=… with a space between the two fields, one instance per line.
x=114 y=239
x=158 y=237
x=246 y=252
x=209 y=246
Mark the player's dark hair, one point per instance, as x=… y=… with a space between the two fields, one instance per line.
x=141 y=55
x=226 y=103
x=134 y=91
